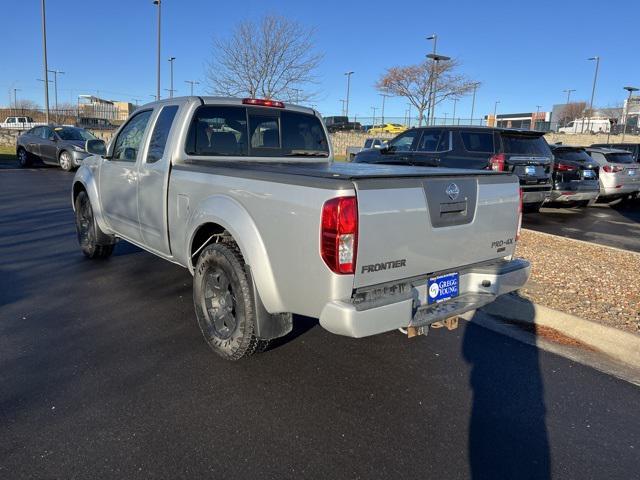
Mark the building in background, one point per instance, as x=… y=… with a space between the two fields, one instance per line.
x=96 y=112
x=527 y=121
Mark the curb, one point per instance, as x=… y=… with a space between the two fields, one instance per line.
x=621 y=346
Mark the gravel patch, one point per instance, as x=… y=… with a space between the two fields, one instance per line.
x=591 y=281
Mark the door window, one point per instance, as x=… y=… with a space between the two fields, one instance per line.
x=130 y=138
x=402 y=143
x=46 y=133
x=434 y=141
x=161 y=133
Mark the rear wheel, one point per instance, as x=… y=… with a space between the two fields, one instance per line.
x=66 y=161
x=24 y=160
x=224 y=302
x=93 y=242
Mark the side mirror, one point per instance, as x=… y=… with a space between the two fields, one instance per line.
x=96 y=147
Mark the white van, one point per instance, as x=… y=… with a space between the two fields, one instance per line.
x=586 y=125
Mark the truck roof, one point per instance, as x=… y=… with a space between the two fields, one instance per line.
x=213 y=100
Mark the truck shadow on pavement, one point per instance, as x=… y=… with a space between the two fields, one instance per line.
x=507 y=429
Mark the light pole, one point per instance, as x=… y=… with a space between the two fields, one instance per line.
x=568 y=92
x=158 y=3
x=495 y=111
x=45 y=67
x=593 y=90
x=373 y=122
x=171 y=60
x=453 y=117
x=473 y=101
x=15 y=99
x=55 y=89
x=192 y=83
x=384 y=96
x=409 y=115
x=626 y=110
x=436 y=59
x=343 y=102
x=433 y=37
x=346 y=109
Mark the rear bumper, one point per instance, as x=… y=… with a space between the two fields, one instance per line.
x=613 y=192
x=567 y=196
x=538 y=196
x=346 y=318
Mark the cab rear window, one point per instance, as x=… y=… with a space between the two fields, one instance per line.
x=525 y=145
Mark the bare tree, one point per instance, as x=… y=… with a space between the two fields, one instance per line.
x=26 y=104
x=573 y=110
x=414 y=81
x=274 y=58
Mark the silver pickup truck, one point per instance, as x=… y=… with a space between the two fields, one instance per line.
x=244 y=193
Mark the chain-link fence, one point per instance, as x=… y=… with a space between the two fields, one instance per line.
x=86 y=116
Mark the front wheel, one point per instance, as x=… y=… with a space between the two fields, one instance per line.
x=66 y=161
x=93 y=242
x=224 y=302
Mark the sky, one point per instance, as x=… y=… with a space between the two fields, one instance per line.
x=524 y=53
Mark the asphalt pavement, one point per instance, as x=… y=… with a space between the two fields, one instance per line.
x=616 y=225
x=103 y=374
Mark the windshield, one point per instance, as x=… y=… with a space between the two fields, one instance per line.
x=525 y=145
x=71 y=133
x=619 y=157
x=572 y=155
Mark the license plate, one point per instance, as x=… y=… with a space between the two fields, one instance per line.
x=588 y=173
x=443 y=287
x=632 y=173
x=529 y=170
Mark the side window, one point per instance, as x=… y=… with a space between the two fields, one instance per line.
x=161 y=133
x=434 y=141
x=36 y=131
x=302 y=134
x=402 y=143
x=264 y=131
x=130 y=137
x=46 y=133
x=218 y=131
x=11 y=120
x=478 y=142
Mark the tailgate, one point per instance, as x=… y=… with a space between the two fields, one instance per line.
x=415 y=226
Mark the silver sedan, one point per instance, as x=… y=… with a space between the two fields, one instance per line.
x=53 y=145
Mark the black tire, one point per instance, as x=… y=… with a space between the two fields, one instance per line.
x=65 y=160
x=582 y=204
x=93 y=242
x=224 y=302
x=24 y=159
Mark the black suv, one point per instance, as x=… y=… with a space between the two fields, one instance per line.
x=522 y=152
x=575 y=177
x=336 y=124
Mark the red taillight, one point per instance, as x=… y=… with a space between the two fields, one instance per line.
x=339 y=234
x=263 y=103
x=496 y=162
x=563 y=167
x=519 y=216
x=612 y=168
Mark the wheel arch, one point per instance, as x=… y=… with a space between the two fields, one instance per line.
x=222 y=216
x=84 y=180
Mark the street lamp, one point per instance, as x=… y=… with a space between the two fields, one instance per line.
x=373 y=122
x=384 y=96
x=626 y=113
x=593 y=90
x=473 y=101
x=192 y=83
x=158 y=3
x=45 y=67
x=55 y=88
x=346 y=110
x=15 y=100
x=436 y=59
x=433 y=37
x=343 y=102
x=568 y=92
x=171 y=59
x=453 y=117
x=495 y=110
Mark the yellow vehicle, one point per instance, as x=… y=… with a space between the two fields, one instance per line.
x=394 y=128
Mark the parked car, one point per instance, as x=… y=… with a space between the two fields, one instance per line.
x=587 y=125
x=337 y=124
x=368 y=143
x=63 y=145
x=393 y=128
x=633 y=148
x=244 y=193
x=522 y=152
x=619 y=174
x=19 y=123
x=575 y=177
